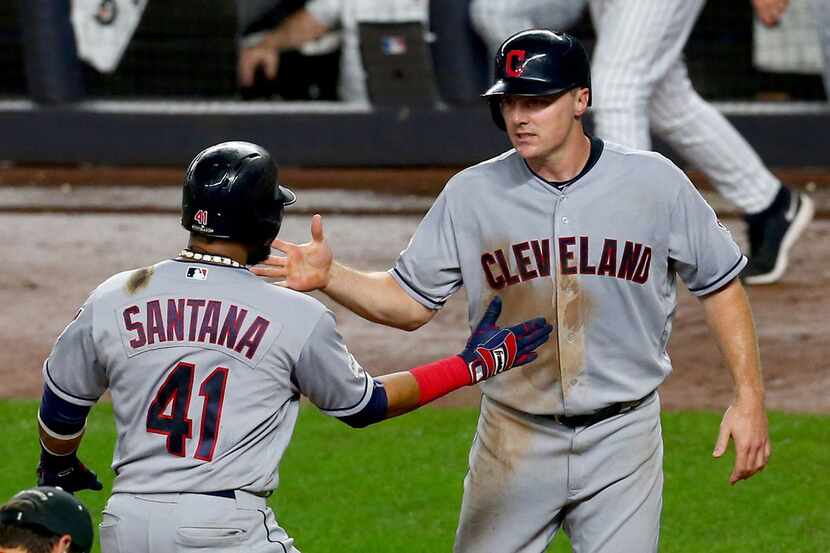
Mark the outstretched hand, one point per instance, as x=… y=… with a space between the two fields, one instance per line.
x=304 y=267
x=747 y=426
x=491 y=349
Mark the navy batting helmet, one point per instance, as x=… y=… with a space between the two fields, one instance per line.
x=538 y=62
x=50 y=511
x=231 y=192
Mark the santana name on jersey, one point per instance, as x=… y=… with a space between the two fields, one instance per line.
x=159 y=321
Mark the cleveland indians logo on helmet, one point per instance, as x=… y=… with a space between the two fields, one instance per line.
x=201 y=217
x=512 y=59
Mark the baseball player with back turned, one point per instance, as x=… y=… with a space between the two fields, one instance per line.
x=206 y=364
x=591 y=235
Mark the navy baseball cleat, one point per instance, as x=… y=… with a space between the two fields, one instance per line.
x=773 y=232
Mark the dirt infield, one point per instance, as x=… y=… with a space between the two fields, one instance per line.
x=54 y=260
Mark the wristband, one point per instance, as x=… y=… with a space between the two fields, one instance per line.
x=439 y=378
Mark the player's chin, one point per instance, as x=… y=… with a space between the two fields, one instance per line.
x=526 y=148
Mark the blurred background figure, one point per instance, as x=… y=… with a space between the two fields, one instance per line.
x=790 y=51
x=821 y=11
x=495 y=20
x=45 y=520
x=309 y=72
x=311 y=22
x=640 y=82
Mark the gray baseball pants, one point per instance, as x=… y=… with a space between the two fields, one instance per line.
x=185 y=522
x=530 y=476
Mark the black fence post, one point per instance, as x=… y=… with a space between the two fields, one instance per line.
x=53 y=70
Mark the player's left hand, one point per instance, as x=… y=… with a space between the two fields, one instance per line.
x=67 y=472
x=304 y=267
x=491 y=349
x=746 y=423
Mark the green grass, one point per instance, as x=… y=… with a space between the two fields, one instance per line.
x=397 y=486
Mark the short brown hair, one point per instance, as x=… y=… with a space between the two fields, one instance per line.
x=29 y=539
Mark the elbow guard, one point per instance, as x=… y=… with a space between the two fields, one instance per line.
x=375 y=410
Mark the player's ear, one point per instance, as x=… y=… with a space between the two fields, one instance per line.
x=580 y=96
x=64 y=544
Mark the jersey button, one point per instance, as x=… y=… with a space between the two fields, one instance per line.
x=565 y=220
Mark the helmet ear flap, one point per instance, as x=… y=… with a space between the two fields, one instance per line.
x=495 y=112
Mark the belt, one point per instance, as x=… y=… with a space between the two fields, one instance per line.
x=574 y=421
x=231 y=494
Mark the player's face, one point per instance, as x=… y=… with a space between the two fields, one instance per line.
x=539 y=126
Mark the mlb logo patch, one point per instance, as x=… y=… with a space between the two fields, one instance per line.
x=393 y=45
x=197 y=273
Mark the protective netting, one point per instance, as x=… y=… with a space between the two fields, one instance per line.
x=187 y=49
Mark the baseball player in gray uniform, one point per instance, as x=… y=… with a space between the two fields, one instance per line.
x=206 y=364
x=591 y=235
x=641 y=81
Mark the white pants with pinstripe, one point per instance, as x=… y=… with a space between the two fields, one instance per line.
x=495 y=20
x=640 y=81
x=185 y=523
x=821 y=10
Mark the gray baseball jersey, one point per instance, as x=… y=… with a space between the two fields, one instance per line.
x=598 y=256
x=205 y=365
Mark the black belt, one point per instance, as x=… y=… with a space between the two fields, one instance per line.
x=574 y=421
x=222 y=493
x=231 y=494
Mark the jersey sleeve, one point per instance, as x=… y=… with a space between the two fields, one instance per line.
x=72 y=371
x=330 y=376
x=328 y=12
x=701 y=248
x=429 y=268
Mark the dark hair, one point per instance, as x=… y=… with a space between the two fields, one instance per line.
x=31 y=539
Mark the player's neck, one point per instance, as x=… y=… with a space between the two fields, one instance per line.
x=565 y=162
x=224 y=248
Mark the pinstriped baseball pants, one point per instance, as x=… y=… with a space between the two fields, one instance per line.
x=640 y=81
x=495 y=20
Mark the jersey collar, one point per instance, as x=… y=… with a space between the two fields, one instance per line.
x=597 y=146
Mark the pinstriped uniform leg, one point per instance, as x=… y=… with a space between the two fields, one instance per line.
x=703 y=136
x=821 y=9
x=495 y=20
x=638 y=41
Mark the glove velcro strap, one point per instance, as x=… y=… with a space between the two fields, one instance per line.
x=441 y=377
